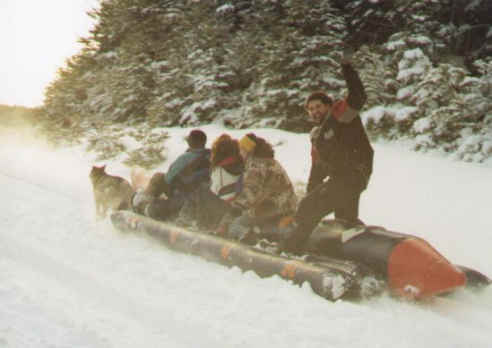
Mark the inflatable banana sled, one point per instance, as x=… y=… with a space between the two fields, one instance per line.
x=339 y=261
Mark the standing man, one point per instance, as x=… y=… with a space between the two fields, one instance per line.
x=341 y=151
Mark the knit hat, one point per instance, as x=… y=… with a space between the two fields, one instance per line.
x=247 y=143
x=196 y=138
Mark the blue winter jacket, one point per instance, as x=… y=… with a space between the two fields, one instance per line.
x=189 y=170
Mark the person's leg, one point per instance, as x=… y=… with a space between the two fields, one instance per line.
x=312 y=208
x=348 y=207
x=157 y=185
x=188 y=214
x=203 y=207
x=240 y=228
x=164 y=209
x=212 y=210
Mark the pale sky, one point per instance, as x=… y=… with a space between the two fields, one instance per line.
x=36 y=38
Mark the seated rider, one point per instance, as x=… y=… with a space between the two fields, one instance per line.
x=207 y=205
x=185 y=175
x=226 y=167
x=267 y=193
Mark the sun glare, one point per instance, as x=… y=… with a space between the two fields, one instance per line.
x=37 y=37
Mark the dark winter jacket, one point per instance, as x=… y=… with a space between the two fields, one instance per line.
x=340 y=146
x=189 y=170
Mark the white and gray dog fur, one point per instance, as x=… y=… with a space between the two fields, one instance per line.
x=110 y=192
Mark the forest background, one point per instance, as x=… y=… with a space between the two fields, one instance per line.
x=426 y=65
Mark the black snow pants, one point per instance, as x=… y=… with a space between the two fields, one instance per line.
x=165 y=209
x=333 y=196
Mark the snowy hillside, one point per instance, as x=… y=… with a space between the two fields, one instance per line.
x=68 y=281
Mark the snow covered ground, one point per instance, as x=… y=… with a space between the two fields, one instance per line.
x=69 y=281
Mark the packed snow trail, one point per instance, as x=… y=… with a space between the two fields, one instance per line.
x=69 y=281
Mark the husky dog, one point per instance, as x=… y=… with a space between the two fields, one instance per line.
x=110 y=192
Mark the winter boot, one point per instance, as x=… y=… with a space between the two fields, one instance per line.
x=294 y=240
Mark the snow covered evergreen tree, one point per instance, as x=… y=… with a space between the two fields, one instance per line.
x=425 y=64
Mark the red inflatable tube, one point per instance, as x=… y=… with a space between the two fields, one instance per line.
x=417 y=270
x=411 y=266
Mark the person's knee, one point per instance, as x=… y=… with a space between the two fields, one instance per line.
x=242 y=229
x=157 y=185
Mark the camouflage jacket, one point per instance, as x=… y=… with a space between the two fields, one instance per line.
x=267 y=189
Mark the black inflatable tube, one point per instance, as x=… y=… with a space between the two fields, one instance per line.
x=410 y=265
x=359 y=266
x=328 y=278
